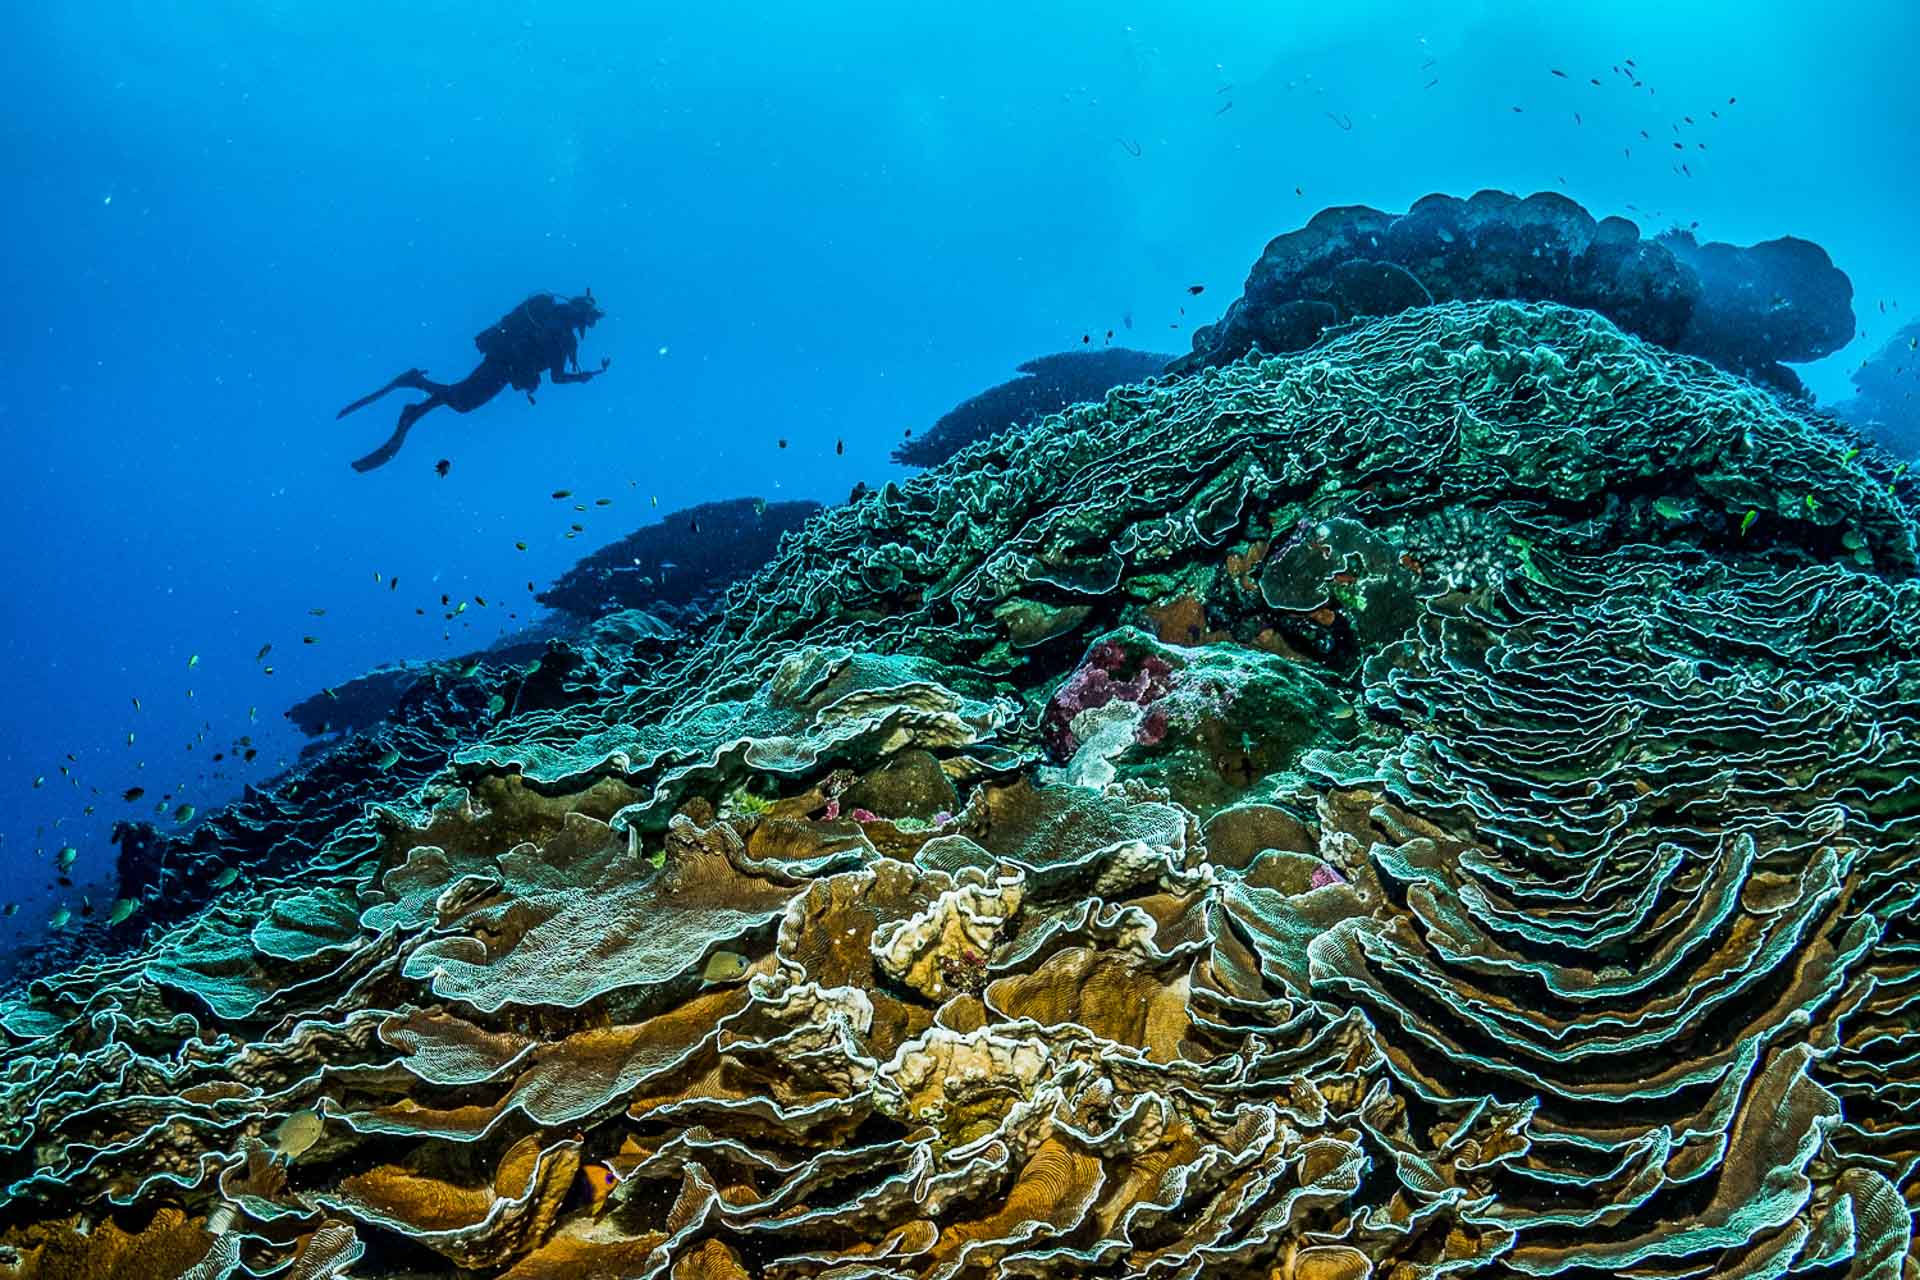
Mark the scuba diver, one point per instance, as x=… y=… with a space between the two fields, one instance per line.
x=543 y=332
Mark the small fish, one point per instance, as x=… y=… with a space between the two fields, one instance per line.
x=783 y=442
x=318 y=613
x=129 y=737
x=193 y=662
x=1812 y=504
x=136 y=704
x=67 y=856
x=309 y=639
x=59 y=918
x=481 y=601
x=265 y=649
x=1196 y=289
x=840 y=446
x=297 y=1134
x=123 y=908
x=603 y=502
x=725 y=966
x=267 y=670
x=559 y=494
x=519 y=546
x=253 y=717
x=470 y=670
x=461 y=607
x=393 y=583
x=183 y=813
x=226 y=877
x=443 y=466
x=600 y=1182
x=1850 y=455
x=578 y=528
x=1428 y=85
x=693 y=524
x=1746 y=521
x=1594 y=81
x=12 y=908
x=1558 y=72
x=759 y=506
x=387 y=761
x=133 y=793
x=656 y=499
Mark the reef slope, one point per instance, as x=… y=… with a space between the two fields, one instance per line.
x=1438 y=803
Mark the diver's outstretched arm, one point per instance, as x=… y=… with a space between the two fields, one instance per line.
x=415 y=379
x=559 y=374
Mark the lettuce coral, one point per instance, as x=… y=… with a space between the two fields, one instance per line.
x=1381 y=839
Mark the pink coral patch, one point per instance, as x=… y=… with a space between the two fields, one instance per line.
x=1324 y=875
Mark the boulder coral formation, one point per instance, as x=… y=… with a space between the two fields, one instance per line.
x=1751 y=309
x=680 y=567
x=1436 y=804
x=1886 y=386
x=1047 y=384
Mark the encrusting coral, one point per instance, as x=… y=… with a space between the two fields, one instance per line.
x=1436 y=804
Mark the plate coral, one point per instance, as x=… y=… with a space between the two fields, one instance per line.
x=1439 y=803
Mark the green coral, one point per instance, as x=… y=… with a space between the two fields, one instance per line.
x=744 y=802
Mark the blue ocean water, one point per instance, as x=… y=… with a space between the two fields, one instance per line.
x=823 y=223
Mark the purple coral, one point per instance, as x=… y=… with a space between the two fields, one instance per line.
x=1102 y=679
x=1324 y=875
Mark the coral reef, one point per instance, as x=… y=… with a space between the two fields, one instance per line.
x=1048 y=385
x=314 y=810
x=1884 y=404
x=1748 y=309
x=1436 y=804
x=680 y=568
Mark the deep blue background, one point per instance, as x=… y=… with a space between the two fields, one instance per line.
x=821 y=221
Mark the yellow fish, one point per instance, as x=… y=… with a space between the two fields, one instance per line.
x=297 y=1134
x=726 y=966
x=600 y=1182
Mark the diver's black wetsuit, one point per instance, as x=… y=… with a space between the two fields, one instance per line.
x=543 y=332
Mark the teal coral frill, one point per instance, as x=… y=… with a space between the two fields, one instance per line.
x=1439 y=803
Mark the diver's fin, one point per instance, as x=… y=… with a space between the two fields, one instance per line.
x=411 y=378
x=384 y=454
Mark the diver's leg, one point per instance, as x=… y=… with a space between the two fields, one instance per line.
x=409 y=415
x=478 y=387
x=413 y=379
